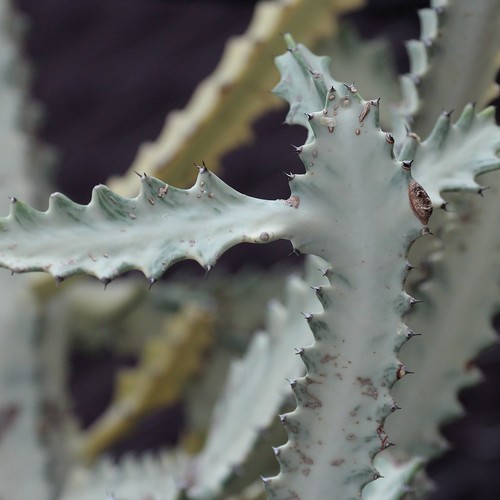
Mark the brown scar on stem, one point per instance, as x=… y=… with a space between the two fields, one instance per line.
x=419 y=201
x=364 y=113
x=293 y=201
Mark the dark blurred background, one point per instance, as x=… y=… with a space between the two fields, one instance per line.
x=108 y=71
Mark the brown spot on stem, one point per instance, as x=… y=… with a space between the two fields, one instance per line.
x=419 y=201
x=326 y=358
x=369 y=388
x=366 y=110
x=293 y=201
x=304 y=458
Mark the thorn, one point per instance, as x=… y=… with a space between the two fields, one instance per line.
x=276 y=451
x=289 y=175
x=444 y=206
x=482 y=189
x=425 y=231
x=282 y=418
x=331 y=90
x=106 y=282
x=407 y=165
x=292 y=382
x=388 y=444
x=410 y=333
x=307 y=316
x=389 y=138
x=395 y=407
x=152 y=281
x=315 y=74
x=201 y=168
x=402 y=371
x=351 y=88
x=317 y=289
x=207 y=268
x=299 y=351
x=375 y=102
x=12 y=199
x=298 y=149
x=377 y=476
x=413 y=301
x=138 y=174
x=409 y=267
x=310 y=116
x=447 y=114
x=59 y=279
x=265 y=480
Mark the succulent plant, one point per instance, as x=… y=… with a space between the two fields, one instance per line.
x=365 y=197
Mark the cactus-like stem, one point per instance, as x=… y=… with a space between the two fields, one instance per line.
x=162 y=225
x=342 y=188
x=450 y=289
x=442 y=77
x=454 y=154
x=343 y=400
x=448 y=160
x=255 y=389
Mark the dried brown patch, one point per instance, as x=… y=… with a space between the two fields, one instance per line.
x=420 y=202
